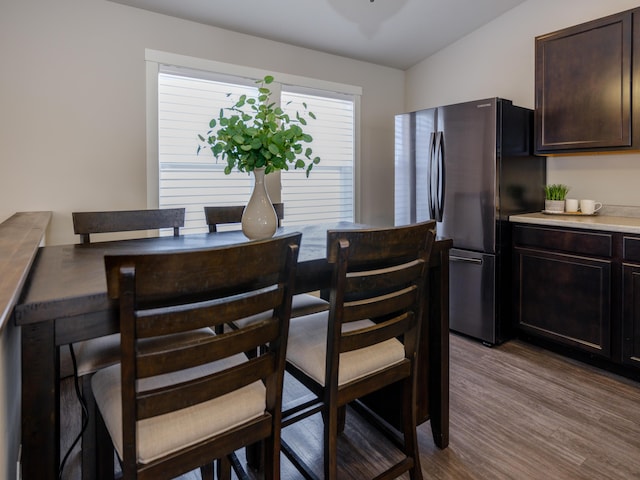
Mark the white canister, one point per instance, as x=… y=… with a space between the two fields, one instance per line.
x=571 y=205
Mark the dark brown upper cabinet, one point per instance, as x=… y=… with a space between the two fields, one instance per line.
x=585 y=82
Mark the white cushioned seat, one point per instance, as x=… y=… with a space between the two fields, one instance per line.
x=301 y=304
x=91 y=355
x=307 y=350
x=102 y=352
x=306 y=304
x=164 y=434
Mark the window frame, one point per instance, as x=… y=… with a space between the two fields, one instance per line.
x=154 y=59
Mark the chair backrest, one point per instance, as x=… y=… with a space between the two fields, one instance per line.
x=215 y=216
x=378 y=275
x=86 y=223
x=168 y=293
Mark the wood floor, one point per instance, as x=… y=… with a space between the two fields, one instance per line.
x=517 y=412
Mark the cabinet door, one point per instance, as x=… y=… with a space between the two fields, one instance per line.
x=566 y=298
x=631 y=314
x=583 y=87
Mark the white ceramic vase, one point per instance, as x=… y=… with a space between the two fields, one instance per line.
x=259 y=219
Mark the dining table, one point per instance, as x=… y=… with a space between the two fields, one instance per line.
x=64 y=300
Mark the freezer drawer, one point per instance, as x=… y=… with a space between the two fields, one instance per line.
x=472 y=309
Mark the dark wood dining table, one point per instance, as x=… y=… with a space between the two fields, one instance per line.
x=65 y=300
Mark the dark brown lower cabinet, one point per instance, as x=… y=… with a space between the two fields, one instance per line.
x=566 y=298
x=579 y=291
x=631 y=302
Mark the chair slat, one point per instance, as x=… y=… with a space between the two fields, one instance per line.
x=362 y=338
x=220 y=215
x=179 y=318
x=379 y=306
x=195 y=274
x=210 y=350
x=380 y=279
x=189 y=393
x=86 y=223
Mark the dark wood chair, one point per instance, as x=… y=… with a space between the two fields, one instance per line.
x=369 y=337
x=169 y=410
x=84 y=358
x=86 y=223
x=215 y=216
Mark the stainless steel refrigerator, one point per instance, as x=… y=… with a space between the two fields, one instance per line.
x=469 y=166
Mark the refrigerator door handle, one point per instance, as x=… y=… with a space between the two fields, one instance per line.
x=439 y=178
x=455 y=258
x=431 y=174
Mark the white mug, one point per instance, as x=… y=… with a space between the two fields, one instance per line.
x=571 y=205
x=589 y=207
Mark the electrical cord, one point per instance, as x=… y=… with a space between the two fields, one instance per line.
x=85 y=412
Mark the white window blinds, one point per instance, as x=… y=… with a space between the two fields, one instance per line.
x=327 y=194
x=187 y=100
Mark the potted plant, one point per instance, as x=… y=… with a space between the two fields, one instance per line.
x=555 y=195
x=255 y=135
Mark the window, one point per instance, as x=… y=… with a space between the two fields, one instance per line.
x=188 y=98
x=327 y=194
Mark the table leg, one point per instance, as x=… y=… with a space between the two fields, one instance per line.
x=40 y=403
x=439 y=352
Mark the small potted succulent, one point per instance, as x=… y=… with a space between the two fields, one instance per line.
x=555 y=196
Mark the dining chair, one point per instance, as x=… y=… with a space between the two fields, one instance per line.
x=220 y=215
x=303 y=304
x=367 y=340
x=84 y=358
x=86 y=223
x=169 y=410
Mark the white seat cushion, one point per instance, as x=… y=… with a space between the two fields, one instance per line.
x=301 y=304
x=164 y=434
x=306 y=304
x=91 y=355
x=307 y=349
x=101 y=352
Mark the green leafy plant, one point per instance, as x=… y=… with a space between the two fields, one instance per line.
x=557 y=191
x=255 y=133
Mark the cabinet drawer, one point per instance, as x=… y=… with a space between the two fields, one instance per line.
x=631 y=249
x=581 y=243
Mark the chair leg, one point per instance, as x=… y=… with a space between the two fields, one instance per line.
x=254 y=454
x=409 y=425
x=331 y=443
x=89 y=434
x=271 y=454
x=342 y=418
x=223 y=468
x=104 y=451
x=206 y=471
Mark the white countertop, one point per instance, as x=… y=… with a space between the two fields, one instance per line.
x=604 y=221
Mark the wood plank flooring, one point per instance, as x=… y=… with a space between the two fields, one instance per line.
x=517 y=412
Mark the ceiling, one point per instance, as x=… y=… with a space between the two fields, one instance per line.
x=395 y=33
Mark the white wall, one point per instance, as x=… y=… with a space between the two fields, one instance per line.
x=72 y=127
x=72 y=119
x=497 y=60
